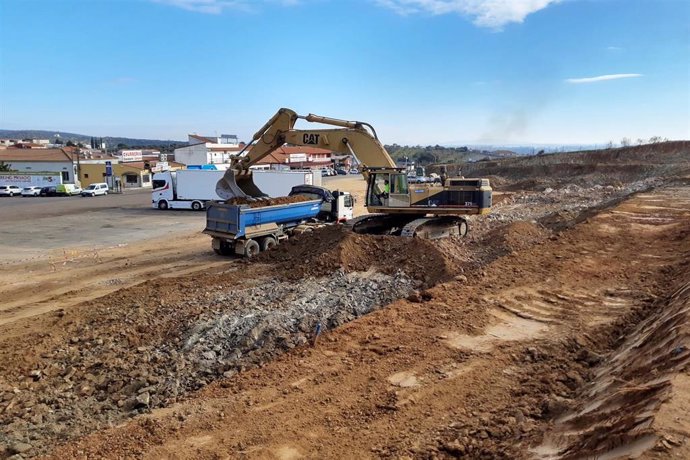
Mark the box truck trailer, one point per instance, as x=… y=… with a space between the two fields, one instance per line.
x=193 y=188
x=185 y=189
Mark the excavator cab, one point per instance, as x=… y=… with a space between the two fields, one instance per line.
x=388 y=188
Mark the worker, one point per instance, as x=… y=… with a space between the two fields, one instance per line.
x=444 y=175
x=381 y=193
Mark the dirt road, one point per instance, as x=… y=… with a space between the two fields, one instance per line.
x=60 y=251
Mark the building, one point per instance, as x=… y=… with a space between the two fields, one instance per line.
x=208 y=150
x=294 y=157
x=61 y=161
x=135 y=174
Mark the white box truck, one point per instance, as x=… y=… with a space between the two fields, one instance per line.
x=185 y=189
x=192 y=188
x=280 y=183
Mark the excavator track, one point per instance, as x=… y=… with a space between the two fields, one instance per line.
x=432 y=228
x=378 y=224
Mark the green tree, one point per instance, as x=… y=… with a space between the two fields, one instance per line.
x=71 y=144
x=4 y=167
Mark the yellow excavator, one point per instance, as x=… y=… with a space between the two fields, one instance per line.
x=396 y=208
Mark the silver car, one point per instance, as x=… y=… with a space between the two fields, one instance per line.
x=31 y=191
x=10 y=190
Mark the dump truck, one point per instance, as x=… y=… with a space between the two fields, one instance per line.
x=241 y=229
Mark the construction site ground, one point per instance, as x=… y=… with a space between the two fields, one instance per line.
x=558 y=328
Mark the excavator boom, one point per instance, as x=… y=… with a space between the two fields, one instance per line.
x=352 y=138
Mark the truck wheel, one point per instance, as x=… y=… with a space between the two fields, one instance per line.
x=196 y=206
x=251 y=248
x=163 y=205
x=268 y=243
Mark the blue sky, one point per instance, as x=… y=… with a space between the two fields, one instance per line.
x=420 y=71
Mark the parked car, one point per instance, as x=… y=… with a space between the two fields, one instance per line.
x=31 y=191
x=100 y=188
x=68 y=189
x=10 y=190
x=354 y=171
x=341 y=172
x=48 y=191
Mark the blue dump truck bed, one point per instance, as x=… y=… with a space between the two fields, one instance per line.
x=240 y=221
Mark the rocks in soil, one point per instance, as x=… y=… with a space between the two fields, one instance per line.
x=87 y=384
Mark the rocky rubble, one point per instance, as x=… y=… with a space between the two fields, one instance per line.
x=97 y=379
x=554 y=206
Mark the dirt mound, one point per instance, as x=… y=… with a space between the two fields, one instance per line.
x=268 y=201
x=516 y=236
x=332 y=248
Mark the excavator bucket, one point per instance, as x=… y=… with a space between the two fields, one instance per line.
x=238 y=185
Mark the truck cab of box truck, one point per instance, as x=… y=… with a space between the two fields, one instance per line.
x=163 y=192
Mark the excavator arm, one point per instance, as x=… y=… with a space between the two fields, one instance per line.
x=351 y=138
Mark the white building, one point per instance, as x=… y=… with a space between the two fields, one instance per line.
x=57 y=161
x=208 y=150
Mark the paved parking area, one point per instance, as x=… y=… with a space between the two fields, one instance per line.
x=36 y=227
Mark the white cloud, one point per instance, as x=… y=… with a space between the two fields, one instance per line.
x=614 y=48
x=218 y=6
x=615 y=76
x=204 y=6
x=486 y=13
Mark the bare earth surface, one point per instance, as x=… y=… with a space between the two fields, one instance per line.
x=557 y=329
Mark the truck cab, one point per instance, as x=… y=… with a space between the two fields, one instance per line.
x=163 y=191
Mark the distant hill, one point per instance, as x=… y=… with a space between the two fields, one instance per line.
x=112 y=142
x=440 y=154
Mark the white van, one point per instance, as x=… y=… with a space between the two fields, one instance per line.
x=100 y=188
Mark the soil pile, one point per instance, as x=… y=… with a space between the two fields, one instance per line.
x=516 y=236
x=261 y=203
x=332 y=248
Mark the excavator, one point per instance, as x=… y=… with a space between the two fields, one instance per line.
x=395 y=207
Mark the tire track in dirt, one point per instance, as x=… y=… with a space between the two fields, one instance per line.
x=81 y=275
